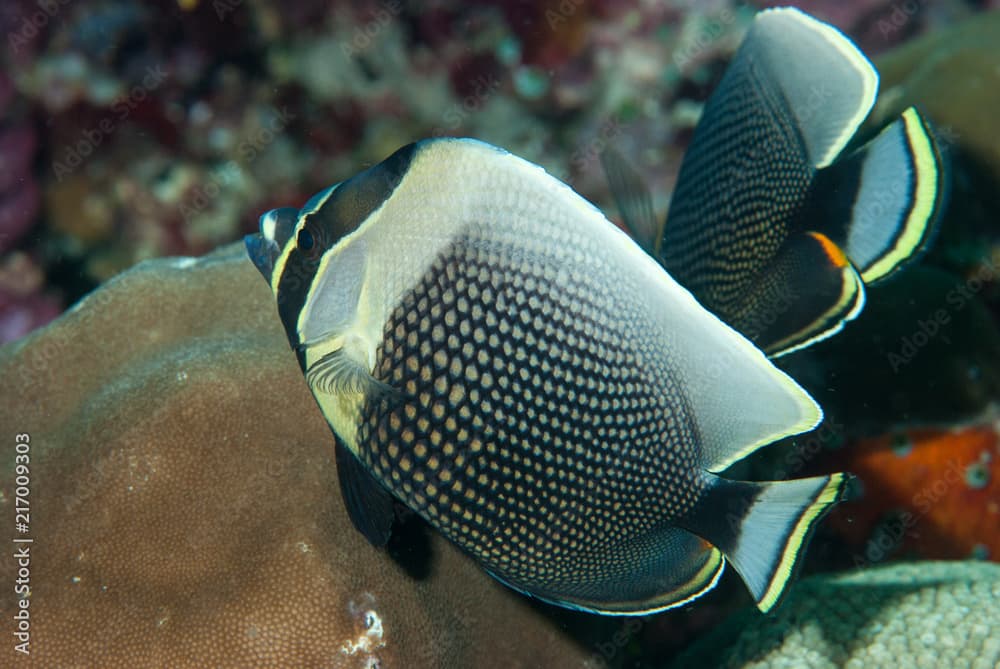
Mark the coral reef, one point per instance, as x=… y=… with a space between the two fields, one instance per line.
x=926 y=614
x=19 y=195
x=165 y=128
x=185 y=508
x=24 y=303
x=169 y=127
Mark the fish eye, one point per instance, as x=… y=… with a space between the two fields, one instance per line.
x=305 y=240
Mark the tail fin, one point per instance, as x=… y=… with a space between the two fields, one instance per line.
x=763 y=528
x=880 y=203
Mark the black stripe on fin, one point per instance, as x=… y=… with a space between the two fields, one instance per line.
x=881 y=202
x=764 y=528
x=806 y=294
x=662 y=569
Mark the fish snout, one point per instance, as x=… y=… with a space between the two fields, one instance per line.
x=276 y=227
x=262 y=252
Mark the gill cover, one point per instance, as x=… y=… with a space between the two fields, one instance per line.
x=317 y=279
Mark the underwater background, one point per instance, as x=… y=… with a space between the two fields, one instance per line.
x=132 y=131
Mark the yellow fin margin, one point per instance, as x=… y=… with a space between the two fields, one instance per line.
x=926 y=197
x=830 y=493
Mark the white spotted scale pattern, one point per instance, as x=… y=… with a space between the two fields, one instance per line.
x=538 y=430
x=737 y=194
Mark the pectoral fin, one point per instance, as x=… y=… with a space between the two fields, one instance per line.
x=344 y=371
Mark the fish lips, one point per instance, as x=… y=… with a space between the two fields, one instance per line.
x=276 y=228
x=262 y=252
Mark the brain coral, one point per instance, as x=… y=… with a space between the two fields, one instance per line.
x=921 y=614
x=184 y=502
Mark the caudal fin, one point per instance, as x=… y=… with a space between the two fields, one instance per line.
x=880 y=203
x=762 y=529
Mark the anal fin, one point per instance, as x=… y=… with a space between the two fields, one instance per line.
x=805 y=295
x=368 y=503
x=664 y=568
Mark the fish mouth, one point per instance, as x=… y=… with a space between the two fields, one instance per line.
x=262 y=252
x=276 y=227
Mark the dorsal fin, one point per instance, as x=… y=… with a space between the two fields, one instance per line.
x=827 y=84
x=789 y=101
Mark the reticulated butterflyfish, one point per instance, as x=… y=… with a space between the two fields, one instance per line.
x=492 y=352
x=773 y=225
